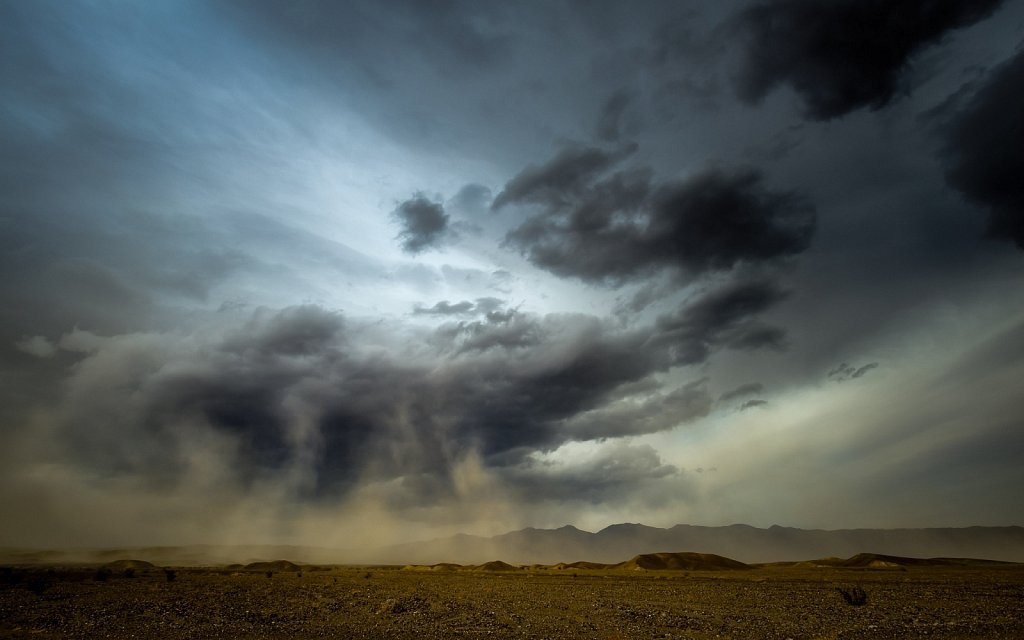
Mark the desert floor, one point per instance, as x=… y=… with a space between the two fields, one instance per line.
x=383 y=602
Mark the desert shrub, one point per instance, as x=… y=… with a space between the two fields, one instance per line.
x=102 y=575
x=171 y=574
x=129 y=573
x=270 y=574
x=855 y=596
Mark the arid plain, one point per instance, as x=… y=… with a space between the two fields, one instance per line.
x=652 y=596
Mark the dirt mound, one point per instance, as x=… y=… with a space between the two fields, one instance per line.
x=496 y=565
x=445 y=566
x=588 y=565
x=135 y=565
x=686 y=561
x=276 y=565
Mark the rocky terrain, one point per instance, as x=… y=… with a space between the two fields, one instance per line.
x=798 y=601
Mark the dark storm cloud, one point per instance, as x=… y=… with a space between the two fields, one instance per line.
x=561 y=180
x=844 y=55
x=752 y=404
x=445 y=308
x=623 y=226
x=295 y=331
x=845 y=371
x=723 y=317
x=424 y=224
x=482 y=306
x=659 y=413
x=749 y=389
x=291 y=392
x=718 y=219
x=984 y=150
x=505 y=330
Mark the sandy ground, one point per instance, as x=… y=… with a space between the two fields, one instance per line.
x=377 y=602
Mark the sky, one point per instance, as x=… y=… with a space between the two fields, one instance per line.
x=358 y=273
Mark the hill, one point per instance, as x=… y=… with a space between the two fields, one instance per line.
x=687 y=561
x=276 y=565
x=134 y=565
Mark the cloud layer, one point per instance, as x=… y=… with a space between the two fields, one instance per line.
x=362 y=273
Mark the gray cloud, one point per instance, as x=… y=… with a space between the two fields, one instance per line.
x=424 y=224
x=623 y=226
x=749 y=389
x=562 y=179
x=752 y=404
x=38 y=346
x=845 y=55
x=484 y=306
x=290 y=393
x=472 y=199
x=619 y=473
x=845 y=371
x=661 y=412
x=609 y=125
x=723 y=317
x=445 y=308
x=984 y=150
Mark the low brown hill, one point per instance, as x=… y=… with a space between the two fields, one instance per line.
x=686 y=561
x=880 y=561
x=135 y=565
x=276 y=565
x=445 y=566
x=588 y=565
x=496 y=565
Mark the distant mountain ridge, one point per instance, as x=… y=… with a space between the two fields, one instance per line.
x=742 y=542
x=568 y=545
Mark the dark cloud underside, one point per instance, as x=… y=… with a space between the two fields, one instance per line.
x=843 y=55
x=291 y=388
x=749 y=389
x=623 y=226
x=424 y=224
x=984 y=150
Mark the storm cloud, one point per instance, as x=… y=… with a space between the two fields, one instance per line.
x=846 y=55
x=620 y=227
x=291 y=392
x=424 y=224
x=984 y=150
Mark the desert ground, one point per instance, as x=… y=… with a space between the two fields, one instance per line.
x=137 y=600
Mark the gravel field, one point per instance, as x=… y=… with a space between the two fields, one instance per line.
x=380 y=602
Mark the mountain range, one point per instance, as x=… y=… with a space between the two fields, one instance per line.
x=610 y=545
x=743 y=542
